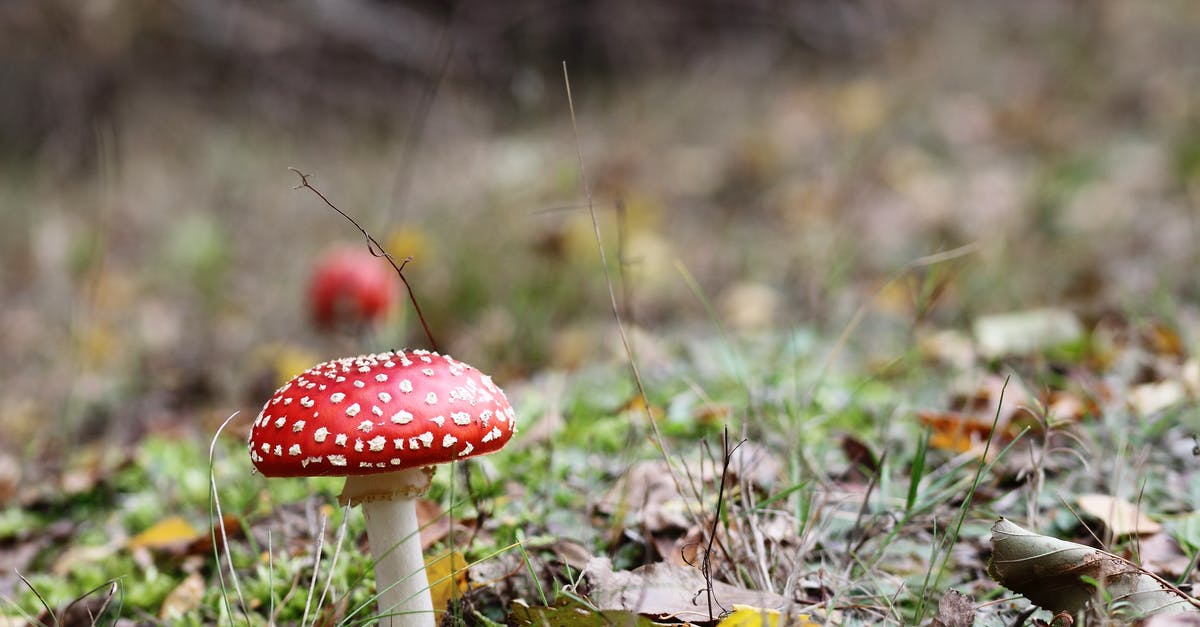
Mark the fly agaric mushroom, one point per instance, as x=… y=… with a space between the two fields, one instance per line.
x=383 y=421
x=350 y=286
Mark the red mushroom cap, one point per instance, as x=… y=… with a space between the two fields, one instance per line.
x=350 y=286
x=379 y=413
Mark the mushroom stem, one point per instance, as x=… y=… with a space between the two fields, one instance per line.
x=389 y=505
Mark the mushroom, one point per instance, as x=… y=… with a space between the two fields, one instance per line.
x=350 y=286
x=383 y=421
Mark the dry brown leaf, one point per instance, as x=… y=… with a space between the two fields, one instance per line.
x=665 y=591
x=756 y=464
x=184 y=598
x=648 y=492
x=954 y=610
x=968 y=422
x=1056 y=575
x=1121 y=517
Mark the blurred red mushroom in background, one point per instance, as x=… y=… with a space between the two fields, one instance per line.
x=350 y=288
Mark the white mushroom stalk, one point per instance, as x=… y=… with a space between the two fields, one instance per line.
x=389 y=506
x=383 y=421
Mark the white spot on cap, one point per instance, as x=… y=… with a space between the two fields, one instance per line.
x=402 y=417
x=485 y=416
x=466 y=450
x=426 y=439
x=491 y=435
x=278 y=450
x=353 y=410
x=366 y=426
x=359 y=384
x=287 y=401
x=279 y=423
x=428 y=372
x=321 y=434
x=294 y=449
x=440 y=421
x=337 y=397
x=307 y=402
x=396 y=461
x=448 y=441
x=384 y=397
x=358 y=445
x=405 y=361
x=461 y=418
x=431 y=399
x=298 y=426
x=425 y=358
x=340 y=439
x=376 y=410
x=337 y=460
x=339 y=379
x=406 y=386
x=266 y=447
x=398 y=443
x=381 y=377
x=377 y=443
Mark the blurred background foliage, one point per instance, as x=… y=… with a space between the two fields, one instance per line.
x=791 y=157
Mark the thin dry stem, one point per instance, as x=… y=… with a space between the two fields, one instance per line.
x=377 y=250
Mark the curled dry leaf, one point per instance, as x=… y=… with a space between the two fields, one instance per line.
x=1059 y=575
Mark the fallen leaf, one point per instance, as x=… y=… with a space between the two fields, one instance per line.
x=954 y=610
x=447 y=578
x=863 y=462
x=756 y=464
x=1024 y=332
x=648 y=492
x=432 y=521
x=1148 y=399
x=184 y=598
x=1121 y=517
x=750 y=616
x=567 y=612
x=170 y=532
x=1057 y=575
x=967 y=424
x=665 y=591
x=1161 y=553
x=229 y=527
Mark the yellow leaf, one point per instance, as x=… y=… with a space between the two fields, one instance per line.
x=447 y=578
x=168 y=532
x=749 y=616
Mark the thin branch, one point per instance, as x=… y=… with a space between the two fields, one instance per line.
x=377 y=250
